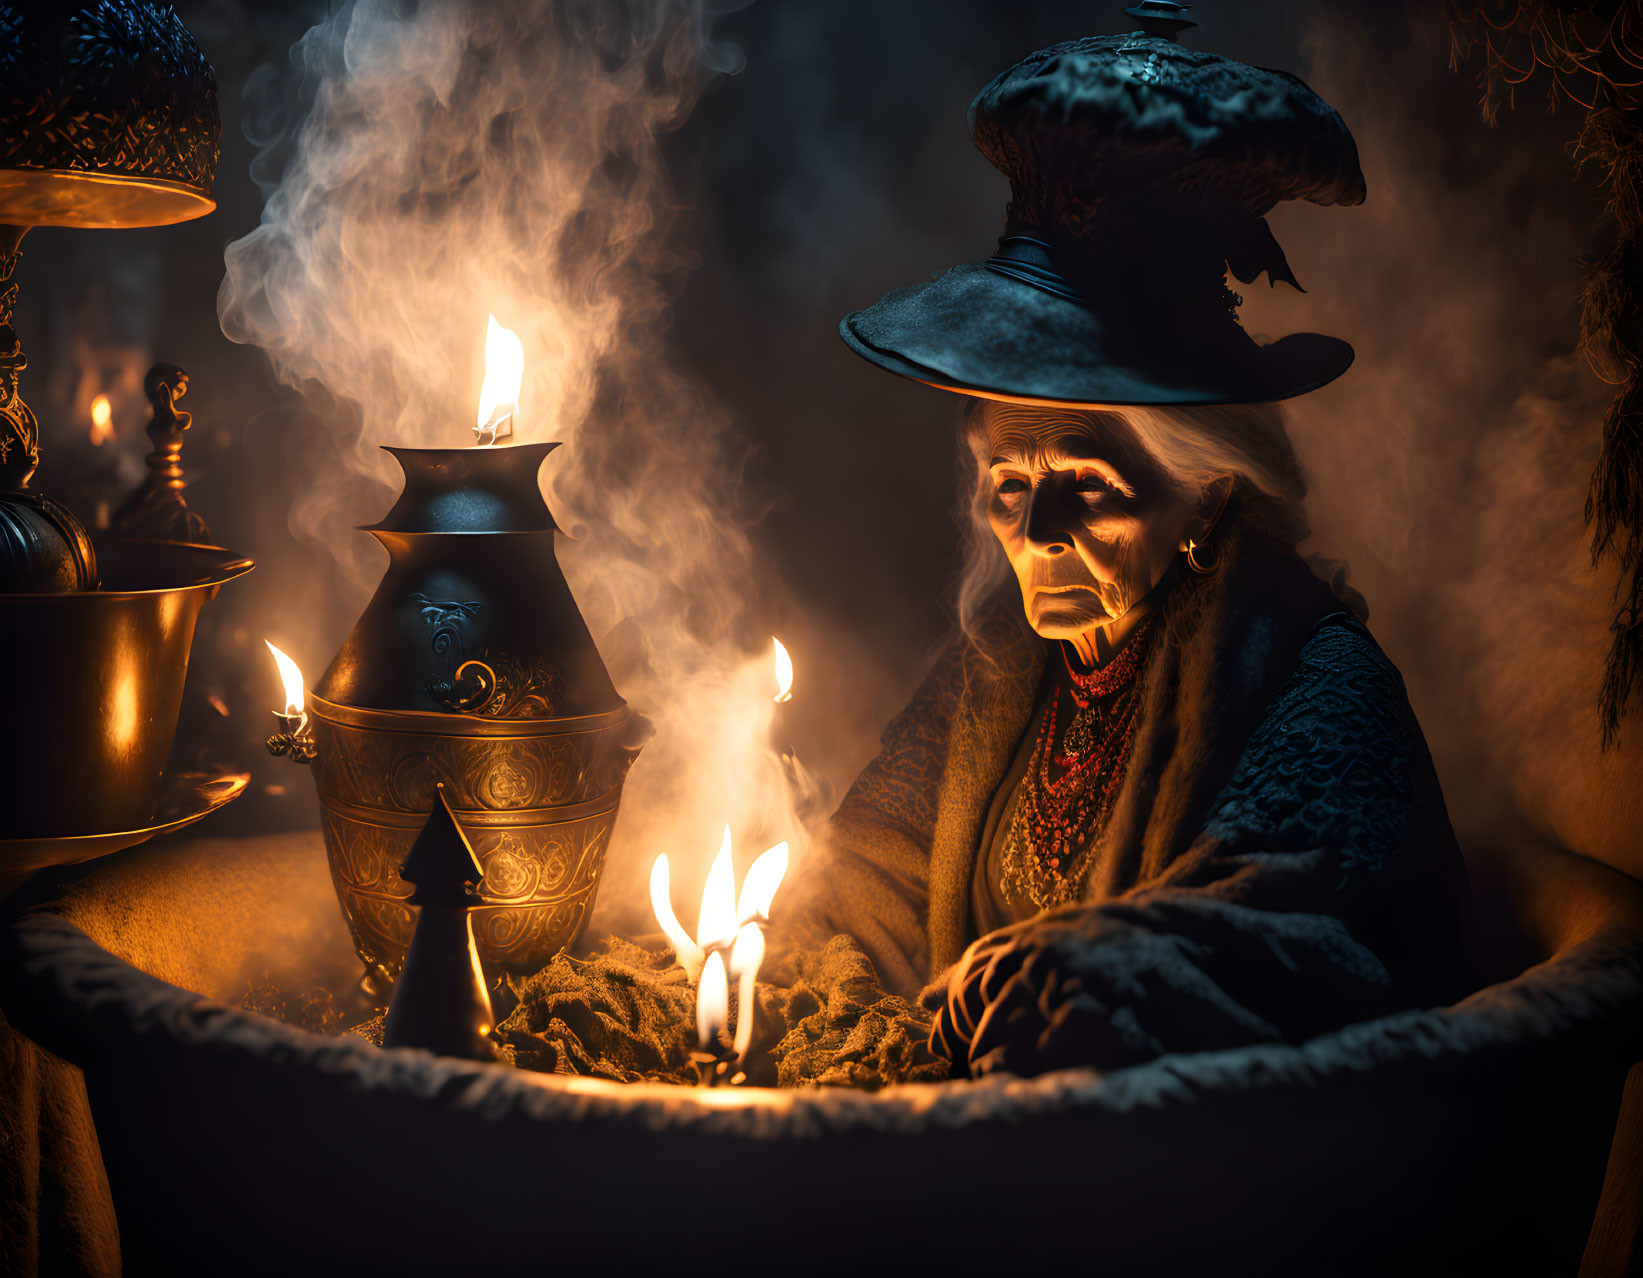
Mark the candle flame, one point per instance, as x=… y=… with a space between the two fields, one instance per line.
x=712 y=1000
x=726 y=922
x=504 y=374
x=102 y=421
x=784 y=671
x=686 y=950
x=764 y=876
x=291 y=677
x=745 y=960
x=716 y=924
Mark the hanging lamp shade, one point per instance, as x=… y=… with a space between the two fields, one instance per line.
x=108 y=116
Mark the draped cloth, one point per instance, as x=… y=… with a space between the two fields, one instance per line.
x=1278 y=860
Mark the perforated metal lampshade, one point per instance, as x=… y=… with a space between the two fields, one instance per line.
x=108 y=116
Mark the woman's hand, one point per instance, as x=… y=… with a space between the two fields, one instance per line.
x=989 y=1010
x=1014 y=1003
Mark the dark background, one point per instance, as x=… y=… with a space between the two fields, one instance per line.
x=1448 y=466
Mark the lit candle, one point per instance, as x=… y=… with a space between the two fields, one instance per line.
x=685 y=950
x=729 y=944
x=764 y=876
x=102 y=421
x=712 y=1003
x=784 y=670
x=504 y=375
x=295 y=714
x=291 y=739
x=745 y=958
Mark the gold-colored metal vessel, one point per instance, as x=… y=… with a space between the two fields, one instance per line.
x=537 y=798
x=472 y=668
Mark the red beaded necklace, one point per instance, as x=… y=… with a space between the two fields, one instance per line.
x=1068 y=789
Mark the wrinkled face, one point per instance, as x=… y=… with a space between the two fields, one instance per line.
x=1089 y=525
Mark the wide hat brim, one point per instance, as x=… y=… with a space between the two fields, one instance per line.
x=977 y=331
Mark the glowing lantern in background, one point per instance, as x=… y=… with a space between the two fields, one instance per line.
x=102 y=421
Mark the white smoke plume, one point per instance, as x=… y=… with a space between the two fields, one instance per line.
x=426 y=164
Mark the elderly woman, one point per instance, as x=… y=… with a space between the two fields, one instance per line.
x=1186 y=805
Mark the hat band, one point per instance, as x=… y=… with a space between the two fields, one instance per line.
x=1025 y=258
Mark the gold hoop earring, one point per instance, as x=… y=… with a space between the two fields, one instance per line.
x=1202 y=566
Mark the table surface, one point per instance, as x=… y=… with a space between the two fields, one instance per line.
x=212 y=914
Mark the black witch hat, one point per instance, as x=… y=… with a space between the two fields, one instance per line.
x=1141 y=174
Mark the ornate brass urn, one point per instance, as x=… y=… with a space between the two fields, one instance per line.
x=471 y=667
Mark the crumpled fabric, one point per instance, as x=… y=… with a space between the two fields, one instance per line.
x=847 y=1032
x=627 y=1012
x=56 y=1213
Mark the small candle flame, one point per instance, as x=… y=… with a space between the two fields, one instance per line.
x=686 y=950
x=784 y=671
x=291 y=677
x=102 y=421
x=712 y=1000
x=745 y=959
x=727 y=923
x=764 y=876
x=504 y=375
x=716 y=924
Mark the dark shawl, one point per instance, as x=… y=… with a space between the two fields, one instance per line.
x=1278 y=861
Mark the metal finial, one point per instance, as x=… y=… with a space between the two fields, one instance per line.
x=158 y=508
x=1161 y=18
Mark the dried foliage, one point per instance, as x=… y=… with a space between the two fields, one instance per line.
x=1589 y=54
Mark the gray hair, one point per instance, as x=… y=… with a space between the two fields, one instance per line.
x=1189 y=447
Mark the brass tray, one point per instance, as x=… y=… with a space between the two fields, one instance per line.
x=185 y=797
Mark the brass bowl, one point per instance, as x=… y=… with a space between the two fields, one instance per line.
x=536 y=797
x=95 y=683
x=185 y=797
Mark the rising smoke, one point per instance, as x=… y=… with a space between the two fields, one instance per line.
x=1450 y=464
x=461 y=161
x=427 y=164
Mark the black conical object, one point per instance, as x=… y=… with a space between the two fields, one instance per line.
x=439 y=1001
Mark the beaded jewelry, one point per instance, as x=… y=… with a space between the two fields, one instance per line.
x=1068 y=789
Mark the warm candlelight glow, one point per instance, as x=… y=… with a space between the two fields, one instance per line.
x=716 y=924
x=687 y=951
x=744 y=961
x=504 y=375
x=102 y=421
x=291 y=677
x=729 y=940
x=712 y=1000
x=764 y=876
x=784 y=671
